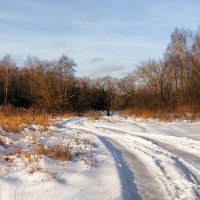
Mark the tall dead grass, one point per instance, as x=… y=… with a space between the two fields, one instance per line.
x=2 y=142
x=69 y=114
x=180 y=113
x=15 y=119
x=57 y=151
x=138 y=113
x=92 y=115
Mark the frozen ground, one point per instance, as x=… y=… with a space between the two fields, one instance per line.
x=124 y=159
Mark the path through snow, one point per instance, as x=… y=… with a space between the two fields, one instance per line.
x=157 y=160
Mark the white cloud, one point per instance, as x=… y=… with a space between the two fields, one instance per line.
x=96 y=59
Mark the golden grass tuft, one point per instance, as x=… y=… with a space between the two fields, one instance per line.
x=138 y=113
x=11 y=123
x=14 y=120
x=2 y=142
x=93 y=115
x=180 y=113
x=147 y=114
x=128 y=112
x=25 y=154
x=57 y=151
x=69 y=115
x=183 y=109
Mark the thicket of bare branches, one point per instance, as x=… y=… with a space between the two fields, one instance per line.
x=154 y=85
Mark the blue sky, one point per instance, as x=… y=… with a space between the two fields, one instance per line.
x=102 y=36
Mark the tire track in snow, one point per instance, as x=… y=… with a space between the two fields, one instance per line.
x=147 y=181
x=159 y=162
x=185 y=144
x=130 y=191
x=150 y=150
x=191 y=159
x=170 y=146
x=145 y=184
x=188 y=157
x=154 y=153
x=191 y=168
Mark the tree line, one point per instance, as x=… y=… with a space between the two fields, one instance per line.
x=51 y=85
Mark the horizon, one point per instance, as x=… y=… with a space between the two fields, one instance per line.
x=103 y=38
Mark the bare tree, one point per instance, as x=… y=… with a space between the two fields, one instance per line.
x=108 y=89
x=128 y=84
x=6 y=67
x=176 y=56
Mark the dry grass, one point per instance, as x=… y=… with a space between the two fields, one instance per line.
x=128 y=112
x=92 y=115
x=147 y=114
x=11 y=123
x=180 y=113
x=57 y=151
x=25 y=154
x=141 y=113
x=40 y=150
x=184 y=111
x=14 y=120
x=34 y=168
x=2 y=142
x=138 y=113
x=69 y=114
x=9 y=158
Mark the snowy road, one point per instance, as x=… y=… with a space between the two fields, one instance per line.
x=154 y=160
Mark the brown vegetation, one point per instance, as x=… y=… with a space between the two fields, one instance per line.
x=154 y=86
x=92 y=115
x=57 y=151
x=15 y=119
x=182 y=113
x=2 y=142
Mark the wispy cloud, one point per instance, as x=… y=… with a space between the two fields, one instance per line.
x=110 y=33
x=111 y=69
x=107 y=70
x=96 y=59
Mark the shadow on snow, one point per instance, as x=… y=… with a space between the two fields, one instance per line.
x=129 y=188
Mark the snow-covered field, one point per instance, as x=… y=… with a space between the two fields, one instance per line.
x=112 y=158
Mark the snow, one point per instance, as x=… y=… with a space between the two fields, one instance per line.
x=91 y=176
x=120 y=159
